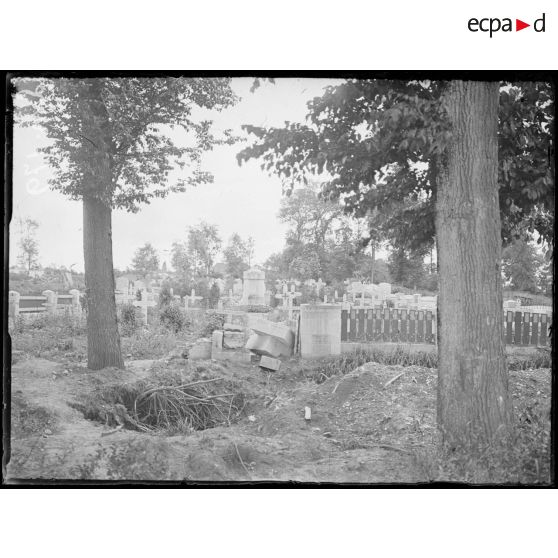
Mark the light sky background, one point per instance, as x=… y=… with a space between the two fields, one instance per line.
x=241 y=199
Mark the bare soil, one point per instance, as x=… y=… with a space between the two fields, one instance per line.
x=362 y=429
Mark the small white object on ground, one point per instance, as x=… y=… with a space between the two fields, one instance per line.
x=307 y=413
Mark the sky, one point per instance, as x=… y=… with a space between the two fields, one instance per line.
x=241 y=199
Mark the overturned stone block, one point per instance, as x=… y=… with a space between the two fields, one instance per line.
x=270 y=346
x=270 y=363
x=278 y=331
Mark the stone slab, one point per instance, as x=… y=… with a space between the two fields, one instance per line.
x=270 y=363
x=201 y=350
x=279 y=331
x=266 y=345
x=233 y=340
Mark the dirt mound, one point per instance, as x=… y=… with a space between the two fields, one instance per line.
x=366 y=426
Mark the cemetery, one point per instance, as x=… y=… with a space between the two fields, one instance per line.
x=256 y=372
x=330 y=300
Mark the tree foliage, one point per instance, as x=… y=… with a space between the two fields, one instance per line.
x=406 y=268
x=379 y=146
x=113 y=144
x=309 y=216
x=124 y=126
x=28 y=244
x=521 y=265
x=204 y=244
x=237 y=255
x=146 y=260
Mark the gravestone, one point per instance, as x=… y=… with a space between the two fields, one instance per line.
x=237 y=287
x=320 y=330
x=254 y=287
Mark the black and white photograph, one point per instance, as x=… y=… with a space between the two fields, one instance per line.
x=265 y=278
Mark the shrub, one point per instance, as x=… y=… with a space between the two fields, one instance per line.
x=172 y=318
x=214 y=294
x=128 y=319
x=212 y=322
x=165 y=296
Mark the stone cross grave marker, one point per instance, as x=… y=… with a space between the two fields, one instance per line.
x=191 y=299
x=287 y=297
x=144 y=304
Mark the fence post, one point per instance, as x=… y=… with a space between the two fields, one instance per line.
x=51 y=301
x=13 y=304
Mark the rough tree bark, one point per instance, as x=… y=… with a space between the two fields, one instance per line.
x=103 y=339
x=473 y=401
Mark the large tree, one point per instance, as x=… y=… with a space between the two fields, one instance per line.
x=28 y=244
x=203 y=246
x=473 y=400
x=111 y=146
x=146 y=260
x=377 y=145
x=237 y=256
x=393 y=148
x=521 y=265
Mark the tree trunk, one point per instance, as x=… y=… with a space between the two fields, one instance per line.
x=473 y=401
x=103 y=339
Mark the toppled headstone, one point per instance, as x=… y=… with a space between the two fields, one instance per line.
x=270 y=363
x=266 y=345
x=279 y=331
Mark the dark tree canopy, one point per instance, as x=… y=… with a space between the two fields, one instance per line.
x=379 y=144
x=135 y=116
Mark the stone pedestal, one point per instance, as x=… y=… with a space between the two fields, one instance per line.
x=13 y=302
x=320 y=330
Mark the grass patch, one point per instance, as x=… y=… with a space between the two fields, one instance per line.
x=320 y=370
x=46 y=333
x=149 y=344
x=542 y=358
x=523 y=459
